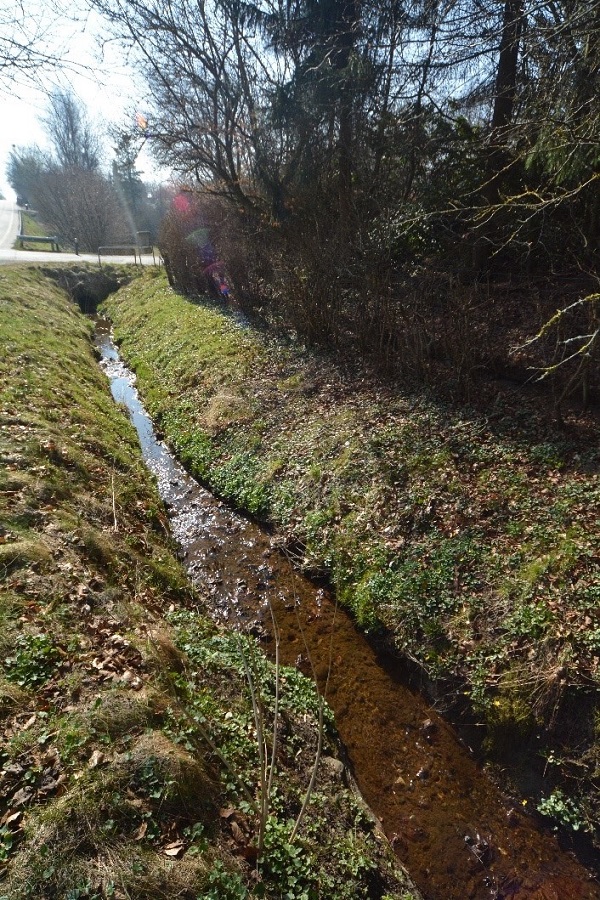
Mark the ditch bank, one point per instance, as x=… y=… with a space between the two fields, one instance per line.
x=129 y=763
x=456 y=832
x=468 y=543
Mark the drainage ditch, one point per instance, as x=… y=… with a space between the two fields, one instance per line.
x=455 y=832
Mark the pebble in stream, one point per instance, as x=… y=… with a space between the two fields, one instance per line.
x=459 y=838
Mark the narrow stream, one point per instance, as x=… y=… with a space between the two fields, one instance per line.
x=457 y=835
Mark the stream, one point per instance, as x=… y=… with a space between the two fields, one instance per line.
x=457 y=835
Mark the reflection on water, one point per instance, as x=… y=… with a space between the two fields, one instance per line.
x=457 y=835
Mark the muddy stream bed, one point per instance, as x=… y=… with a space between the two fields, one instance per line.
x=457 y=835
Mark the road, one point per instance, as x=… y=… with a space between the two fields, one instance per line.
x=9 y=224
x=9 y=229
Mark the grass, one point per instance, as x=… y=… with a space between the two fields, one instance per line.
x=126 y=731
x=31 y=226
x=472 y=541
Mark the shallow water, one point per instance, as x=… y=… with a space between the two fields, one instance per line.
x=458 y=836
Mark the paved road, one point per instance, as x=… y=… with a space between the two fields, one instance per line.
x=9 y=224
x=9 y=229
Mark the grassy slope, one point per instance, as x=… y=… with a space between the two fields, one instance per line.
x=30 y=225
x=473 y=540
x=126 y=722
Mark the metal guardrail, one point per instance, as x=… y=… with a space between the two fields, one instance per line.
x=39 y=239
x=125 y=250
x=119 y=250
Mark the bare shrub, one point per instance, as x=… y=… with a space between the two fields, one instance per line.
x=80 y=204
x=186 y=246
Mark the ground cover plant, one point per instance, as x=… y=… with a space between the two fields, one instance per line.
x=467 y=540
x=129 y=763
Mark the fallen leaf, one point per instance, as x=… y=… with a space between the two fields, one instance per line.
x=226 y=813
x=95 y=759
x=173 y=849
x=22 y=797
x=10 y=818
x=238 y=834
x=141 y=832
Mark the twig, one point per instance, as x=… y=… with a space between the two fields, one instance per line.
x=114 y=505
x=277 y=636
x=257 y=711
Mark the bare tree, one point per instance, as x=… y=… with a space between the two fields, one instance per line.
x=75 y=142
x=33 y=41
x=81 y=204
x=25 y=167
x=347 y=142
x=70 y=193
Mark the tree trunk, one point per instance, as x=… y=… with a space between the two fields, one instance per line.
x=498 y=159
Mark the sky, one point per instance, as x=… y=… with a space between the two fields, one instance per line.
x=96 y=76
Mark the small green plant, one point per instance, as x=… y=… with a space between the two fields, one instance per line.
x=224 y=885
x=286 y=863
x=562 y=808
x=33 y=661
x=87 y=891
x=550 y=455
x=7 y=842
x=197 y=837
x=238 y=479
x=152 y=782
x=74 y=733
x=529 y=620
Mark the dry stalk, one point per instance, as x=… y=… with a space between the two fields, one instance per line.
x=277 y=636
x=207 y=738
x=322 y=698
x=257 y=712
x=266 y=765
x=114 y=505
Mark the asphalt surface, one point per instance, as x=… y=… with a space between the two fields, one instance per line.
x=9 y=224
x=9 y=229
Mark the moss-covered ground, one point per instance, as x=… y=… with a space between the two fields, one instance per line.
x=469 y=540
x=130 y=765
